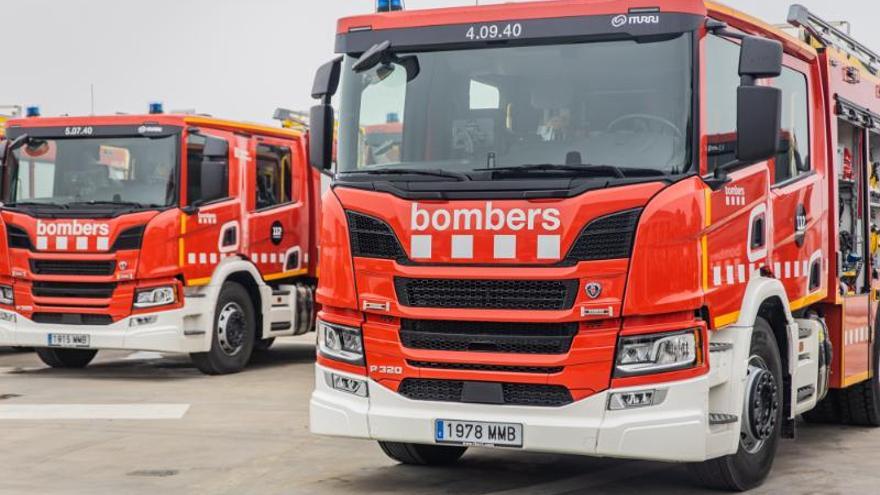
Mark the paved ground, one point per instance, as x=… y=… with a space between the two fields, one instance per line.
x=248 y=433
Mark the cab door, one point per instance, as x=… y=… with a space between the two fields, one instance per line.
x=799 y=246
x=210 y=231
x=278 y=213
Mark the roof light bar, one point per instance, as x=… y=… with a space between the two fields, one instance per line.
x=388 y=5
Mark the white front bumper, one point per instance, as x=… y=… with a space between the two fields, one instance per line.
x=184 y=330
x=676 y=430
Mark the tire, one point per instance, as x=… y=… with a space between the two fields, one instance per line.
x=859 y=405
x=263 y=345
x=749 y=467
x=232 y=339
x=826 y=411
x=422 y=455
x=66 y=358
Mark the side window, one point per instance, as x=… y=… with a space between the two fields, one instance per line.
x=795 y=155
x=195 y=158
x=722 y=81
x=273 y=176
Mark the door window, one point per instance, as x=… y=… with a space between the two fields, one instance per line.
x=274 y=181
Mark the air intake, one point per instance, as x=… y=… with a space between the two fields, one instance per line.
x=372 y=238
x=607 y=238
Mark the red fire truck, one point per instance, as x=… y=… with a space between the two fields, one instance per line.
x=169 y=233
x=627 y=229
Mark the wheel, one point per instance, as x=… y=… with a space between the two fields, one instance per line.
x=826 y=411
x=761 y=422
x=859 y=405
x=232 y=340
x=422 y=455
x=262 y=345
x=66 y=358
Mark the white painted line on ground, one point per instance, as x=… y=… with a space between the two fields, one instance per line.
x=614 y=474
x=92 y=411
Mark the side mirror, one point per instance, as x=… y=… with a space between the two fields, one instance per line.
x=216 y=148
x=758 y=121
x=322 y=118
x=758 y=108
x=760 y=58
x=214 y=180
x=327 y=80
x=322 y=123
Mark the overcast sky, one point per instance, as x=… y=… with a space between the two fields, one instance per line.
x=232 y=58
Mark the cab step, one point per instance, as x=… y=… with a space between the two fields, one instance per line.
x=722 y=419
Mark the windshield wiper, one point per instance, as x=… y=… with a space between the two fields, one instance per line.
x=594 y=170
x=129 y=205
x=433 y=172
x=16 y=204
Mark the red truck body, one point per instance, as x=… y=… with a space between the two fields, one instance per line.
x=100 y=209
x=502 y=277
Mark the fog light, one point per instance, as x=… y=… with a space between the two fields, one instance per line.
x=348 y=385
x=634 y=400
x=7 y=295
x=137 y=321
x=8 y=317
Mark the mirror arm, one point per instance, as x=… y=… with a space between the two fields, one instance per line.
x=193 y=208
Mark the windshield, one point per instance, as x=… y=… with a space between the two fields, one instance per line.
x=613 y=103
x=79 y=171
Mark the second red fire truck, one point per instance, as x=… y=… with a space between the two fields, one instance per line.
x=635 y=229
x=170 y=233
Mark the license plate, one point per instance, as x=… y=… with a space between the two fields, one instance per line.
x=76 y=340
x=478 y=433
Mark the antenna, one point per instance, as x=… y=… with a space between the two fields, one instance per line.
x=92 y=90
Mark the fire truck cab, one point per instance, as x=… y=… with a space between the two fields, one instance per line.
x=169 y=233
x=627 y=229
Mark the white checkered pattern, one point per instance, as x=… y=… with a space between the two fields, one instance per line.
x=72 y=243
x=504 y=247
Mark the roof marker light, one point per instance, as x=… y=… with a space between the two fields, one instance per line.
x=156 y=108
x=388 y=5
x=32 y=111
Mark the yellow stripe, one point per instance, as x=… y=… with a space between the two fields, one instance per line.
x=708 y=219
x=705 y=250
x=852 y=380
x=807 y=300
x=704 y=241
x=287 y=274
x=180 y=242
x=728 y=319
x=199 y=281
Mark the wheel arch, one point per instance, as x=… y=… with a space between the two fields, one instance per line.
x=766 y=298
x=243 y=272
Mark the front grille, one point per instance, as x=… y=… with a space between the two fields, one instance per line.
x=486 y=367
x=64 y=267
x=606 y=238
x=515 y=394
x=512 y=338
x=486 y=294
x=372 y=238
x=72 y=319
x=73 y=290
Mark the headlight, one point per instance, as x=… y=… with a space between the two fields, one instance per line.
x=340 y=343
x=645 y=354
x=154 y=296
x=7 y=296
